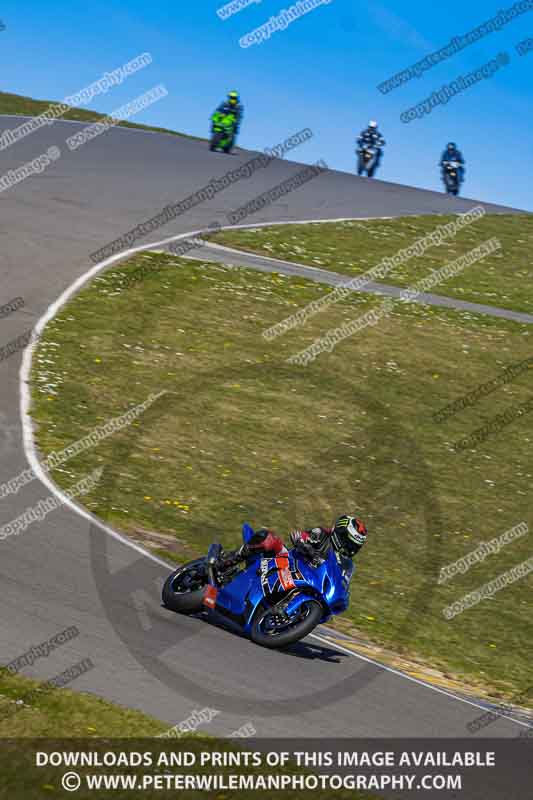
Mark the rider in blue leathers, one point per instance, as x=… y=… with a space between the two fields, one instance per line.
x=451 y=153
x=371 y=136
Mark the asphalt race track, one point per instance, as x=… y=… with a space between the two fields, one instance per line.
x=66 y=571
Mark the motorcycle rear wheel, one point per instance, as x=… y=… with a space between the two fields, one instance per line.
x=268 y=637
x=183 y=591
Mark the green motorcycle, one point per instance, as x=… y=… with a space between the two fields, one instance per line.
x=222 y=131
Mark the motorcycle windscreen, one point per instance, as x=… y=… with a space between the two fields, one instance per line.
x=331 y=578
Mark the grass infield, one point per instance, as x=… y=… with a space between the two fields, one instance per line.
x=243 y=435
x=28 y=107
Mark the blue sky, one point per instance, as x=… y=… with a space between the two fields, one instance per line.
x=321 y=72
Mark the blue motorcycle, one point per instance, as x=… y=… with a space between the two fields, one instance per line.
x=274 y=601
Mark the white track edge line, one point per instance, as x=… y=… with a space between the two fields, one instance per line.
x=28 y=439
x=408 y=677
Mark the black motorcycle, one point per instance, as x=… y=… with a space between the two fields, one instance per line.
x=368 y=159
x=451 y=177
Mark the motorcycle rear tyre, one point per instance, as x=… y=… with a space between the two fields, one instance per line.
x=183 y=602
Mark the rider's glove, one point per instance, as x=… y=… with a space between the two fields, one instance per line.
x=297 y=536
x=302 y=543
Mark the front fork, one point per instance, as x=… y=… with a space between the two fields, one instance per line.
x=280 y=610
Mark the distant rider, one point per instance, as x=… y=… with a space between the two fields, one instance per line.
x=451 y=153
x=347 y=536
x=232 y=105
x=371 y=137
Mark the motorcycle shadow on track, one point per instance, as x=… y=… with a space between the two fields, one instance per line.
x=310 y=651
x=315 y=652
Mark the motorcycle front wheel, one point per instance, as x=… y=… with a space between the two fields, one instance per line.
x=269 y=631
x=215 y=140
x=183 y=591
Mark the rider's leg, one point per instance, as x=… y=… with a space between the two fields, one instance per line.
x=231 y=143
x=377 y=162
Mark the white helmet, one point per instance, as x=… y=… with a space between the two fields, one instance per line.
x=372 y=124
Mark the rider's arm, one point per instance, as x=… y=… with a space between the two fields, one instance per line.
x=262 y=542
x=296 y=536
x=265 y=541
x=313 y=537
x=300 y=540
